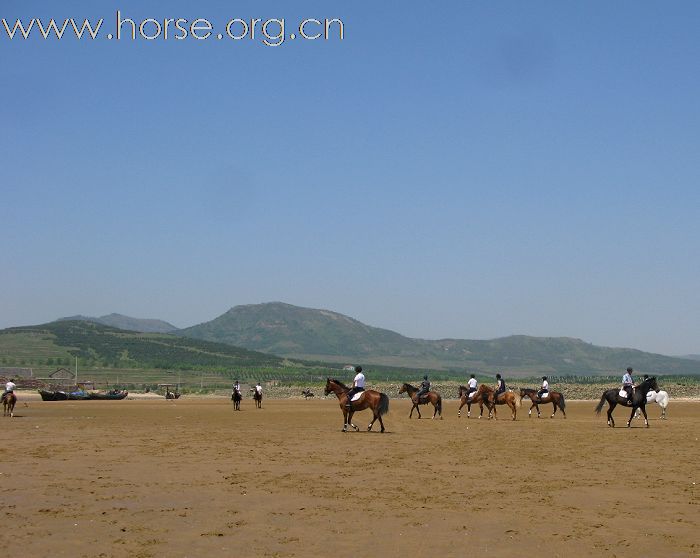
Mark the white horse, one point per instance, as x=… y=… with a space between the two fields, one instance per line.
x=660 y=397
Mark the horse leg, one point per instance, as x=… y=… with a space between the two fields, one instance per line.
x=369 y=428
x=611 y=420
x=411 y=413
x=555 y=409
x=381 y=422
x=634 y=410
x=350 y=420
x=418 y=409
x=459 y=411
x=513 y=409
x=644 y=412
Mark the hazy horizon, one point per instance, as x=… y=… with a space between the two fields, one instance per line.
x=452 y=170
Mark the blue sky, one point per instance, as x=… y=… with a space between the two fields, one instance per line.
x=451 y=169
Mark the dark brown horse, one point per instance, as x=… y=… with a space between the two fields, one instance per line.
x=377 y=402
x=8 y=405
x=306 y=393
x=637 y=401
x=509 y=398
x=553 y=397
x=430 y=397
x=236 y=398
x=257 y=396
x=479 y=396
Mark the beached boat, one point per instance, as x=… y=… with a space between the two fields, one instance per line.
x=115 y=394
x=53 y=395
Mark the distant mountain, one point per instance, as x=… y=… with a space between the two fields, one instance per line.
x=322 y=335
x=104 y=346
x=691 y=357
x=127 y=323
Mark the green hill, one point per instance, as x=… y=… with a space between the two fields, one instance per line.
x=126 y=322
x=322 y=335
x=97 y=345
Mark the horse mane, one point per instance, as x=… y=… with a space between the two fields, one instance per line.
x=341 y=384
x=410 y=385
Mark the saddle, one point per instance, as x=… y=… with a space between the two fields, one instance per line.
x=357 y=396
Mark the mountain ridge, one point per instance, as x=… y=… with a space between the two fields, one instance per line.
x=127 y=323
x=324 y=335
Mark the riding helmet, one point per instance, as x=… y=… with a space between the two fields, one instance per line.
x=425 y=377
x=498 y=376
x=358 y=369
x=544 y=378
x=629 y=369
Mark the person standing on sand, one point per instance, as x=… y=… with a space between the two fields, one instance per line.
x=358 y=385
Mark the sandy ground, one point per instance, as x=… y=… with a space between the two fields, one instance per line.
x=149 y=477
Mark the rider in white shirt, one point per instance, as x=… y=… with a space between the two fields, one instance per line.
x=9 y=388
x=472 y=383
x=358 y=385
x=544 y=390
x=258 y=388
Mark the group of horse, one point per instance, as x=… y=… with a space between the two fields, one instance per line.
x=647 y=392
x=236 y=397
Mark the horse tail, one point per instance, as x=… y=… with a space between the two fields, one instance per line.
x=518 y=399
x=438 y=404
x=383 y=407
x=562 y=403
x=599 y=407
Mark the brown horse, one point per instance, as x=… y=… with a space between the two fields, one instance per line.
x=479 y=396
x=257 y=396
x=377 y=402
x=509 y=398
x=430 y=397
x=8 y=405
x=553 y=397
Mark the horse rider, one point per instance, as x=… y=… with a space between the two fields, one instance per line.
x=424 y=388
x=9 y=388
x=472 y=384
x=628 y=383
x=258 y=389
x=358 y=385
x=500 y=387
x=237 y=388
x=544 y=390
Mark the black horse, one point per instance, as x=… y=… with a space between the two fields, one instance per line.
x=236 y=398
x=637 y=401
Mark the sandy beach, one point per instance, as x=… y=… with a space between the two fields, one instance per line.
x=149 y=477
